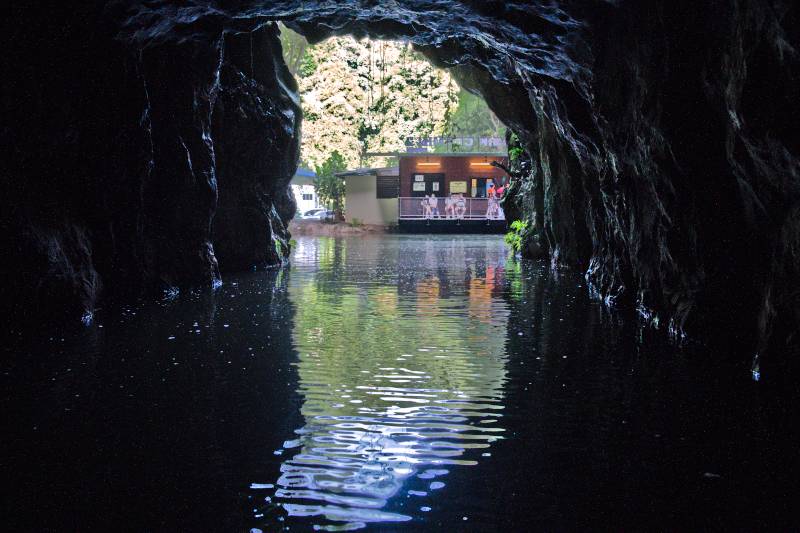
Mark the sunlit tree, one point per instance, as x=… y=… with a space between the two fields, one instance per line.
x=329 y=186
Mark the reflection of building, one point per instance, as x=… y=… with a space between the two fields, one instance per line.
x=397 y=389
x=303 y=189
x=430 y=192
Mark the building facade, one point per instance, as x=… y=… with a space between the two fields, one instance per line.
x=371 y=195
x=443 y=175
x=430 y=192
x=305 y=194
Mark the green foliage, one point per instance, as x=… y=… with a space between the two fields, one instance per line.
x=472 y=118
x=515 y=238
x=514 y=149
x=381 y=105
x=294 y=47
x=366 y=131
x=308 y=65
x=281 y=249
x=328 y=185
x=356 y=223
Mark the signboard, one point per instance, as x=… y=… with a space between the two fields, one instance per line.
x=435 y=185
x=419 y=185
x=425 y=144
x=419 y=177
x=457 y=187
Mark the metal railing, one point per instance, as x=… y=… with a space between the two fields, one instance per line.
x=449 y=208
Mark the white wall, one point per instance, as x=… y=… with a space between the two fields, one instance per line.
x=305 y=205
x=361 y=202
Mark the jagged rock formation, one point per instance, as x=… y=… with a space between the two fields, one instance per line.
x=661 y=135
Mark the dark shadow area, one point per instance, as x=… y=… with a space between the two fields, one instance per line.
x=378 y=378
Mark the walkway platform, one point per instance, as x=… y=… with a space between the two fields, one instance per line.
x=444 y=225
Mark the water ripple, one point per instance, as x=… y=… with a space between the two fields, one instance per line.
x=375 y=429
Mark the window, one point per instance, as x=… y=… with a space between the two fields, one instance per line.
x=308 y=196
x=387 y=187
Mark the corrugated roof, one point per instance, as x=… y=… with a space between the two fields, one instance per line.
x=304 y=176
x=305 y=173
x=365 y=171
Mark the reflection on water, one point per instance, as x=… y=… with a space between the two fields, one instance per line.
x=401 y=369
x=393 y=383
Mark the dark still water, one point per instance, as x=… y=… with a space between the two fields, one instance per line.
x=388 y=383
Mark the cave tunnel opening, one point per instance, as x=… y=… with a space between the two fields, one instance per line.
x=362 y=103
x=150 y=147
x=377 y=115
x=650 y=192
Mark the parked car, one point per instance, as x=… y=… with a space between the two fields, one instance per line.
x=318 y=214
x=313 y=213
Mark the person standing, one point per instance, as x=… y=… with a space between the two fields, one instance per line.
x=491 y=195
x=461 y=206
x=499 y=214
x=426 y=207
x=434 y=203
x=448 y=206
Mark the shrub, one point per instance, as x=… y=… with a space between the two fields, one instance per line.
x=308 y=65
x=515 y=238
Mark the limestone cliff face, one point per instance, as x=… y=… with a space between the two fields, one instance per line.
x=664 y=156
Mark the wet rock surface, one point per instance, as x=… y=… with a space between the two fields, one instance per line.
x=256 y=128
x=664 y=157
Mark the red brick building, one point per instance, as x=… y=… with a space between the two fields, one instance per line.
x=445 y=174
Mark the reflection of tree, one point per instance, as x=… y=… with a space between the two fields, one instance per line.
x=331 y=264
x=388 y=390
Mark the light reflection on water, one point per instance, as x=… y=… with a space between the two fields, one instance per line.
x=401 y=369
x=424 y=379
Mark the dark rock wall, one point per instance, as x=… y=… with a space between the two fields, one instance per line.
x=699 y=165
x=114 y=152
x=155 y=138
x=256 y=137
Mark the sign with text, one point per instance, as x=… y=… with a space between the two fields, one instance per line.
x=458 y=187
x=455 y=144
